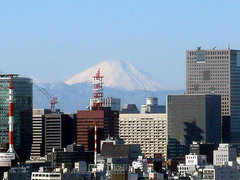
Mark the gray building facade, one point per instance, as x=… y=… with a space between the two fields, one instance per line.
x=38 y=126
x=217 y=72
x=192 y=118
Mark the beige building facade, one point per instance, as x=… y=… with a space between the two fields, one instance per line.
x=147 y=130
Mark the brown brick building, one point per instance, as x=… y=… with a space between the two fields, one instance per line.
x=107 y=125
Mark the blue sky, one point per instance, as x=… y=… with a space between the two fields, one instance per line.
x=54 y=40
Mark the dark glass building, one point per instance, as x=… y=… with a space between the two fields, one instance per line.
x=59 y=130
x=22 y=95
x=192 y=118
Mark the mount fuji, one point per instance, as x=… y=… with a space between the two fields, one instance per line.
x=119 y=75
x=121 y=80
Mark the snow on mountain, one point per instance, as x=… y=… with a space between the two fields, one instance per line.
x=120 y=75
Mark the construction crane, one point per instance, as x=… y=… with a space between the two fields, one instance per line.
x=53 y=100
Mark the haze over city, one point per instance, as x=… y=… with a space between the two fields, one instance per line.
x=119 y=90
x=62 y=38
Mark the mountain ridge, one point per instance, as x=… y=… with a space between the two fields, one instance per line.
x=76 y=97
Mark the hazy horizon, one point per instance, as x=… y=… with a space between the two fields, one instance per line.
x=54 y=40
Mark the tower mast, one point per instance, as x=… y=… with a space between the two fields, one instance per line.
x=97 y=90
x=11 y=116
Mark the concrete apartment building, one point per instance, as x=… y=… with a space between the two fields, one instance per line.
x=192 y=118
x=147 y=130
x=217 y=72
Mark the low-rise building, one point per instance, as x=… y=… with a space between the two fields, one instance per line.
x=223 y=154
x=192 y=164
x=220 y=173
x=17 y=173
x=60 y=174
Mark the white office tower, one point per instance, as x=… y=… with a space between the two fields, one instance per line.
x=152 y=106
x=147 y=130
x=113 y=103
x=224 y=154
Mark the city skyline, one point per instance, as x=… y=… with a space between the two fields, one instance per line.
x=47 y=37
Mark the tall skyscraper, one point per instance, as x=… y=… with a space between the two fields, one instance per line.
x=192 y=118
x=217 y=72
x=23 y=94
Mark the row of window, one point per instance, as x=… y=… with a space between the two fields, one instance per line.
x=210 y=52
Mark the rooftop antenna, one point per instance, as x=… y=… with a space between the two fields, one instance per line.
x=97 y=90
x=228 y=46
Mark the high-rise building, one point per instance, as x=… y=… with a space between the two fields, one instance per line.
x=22 y=97
x=107 y=125
x=192 y=118
x=59 y=130
x=38 y=126
x=148 y=130
x=217 y=72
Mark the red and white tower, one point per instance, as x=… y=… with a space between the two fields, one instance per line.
x=97 y=90
x=11 y=116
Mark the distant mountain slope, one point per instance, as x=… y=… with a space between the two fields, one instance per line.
x=75 y=97
x=121 y=80
x=119 y=75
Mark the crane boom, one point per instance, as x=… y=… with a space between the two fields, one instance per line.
x=53 y=100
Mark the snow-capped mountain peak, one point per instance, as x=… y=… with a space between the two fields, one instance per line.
x=118 y=74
